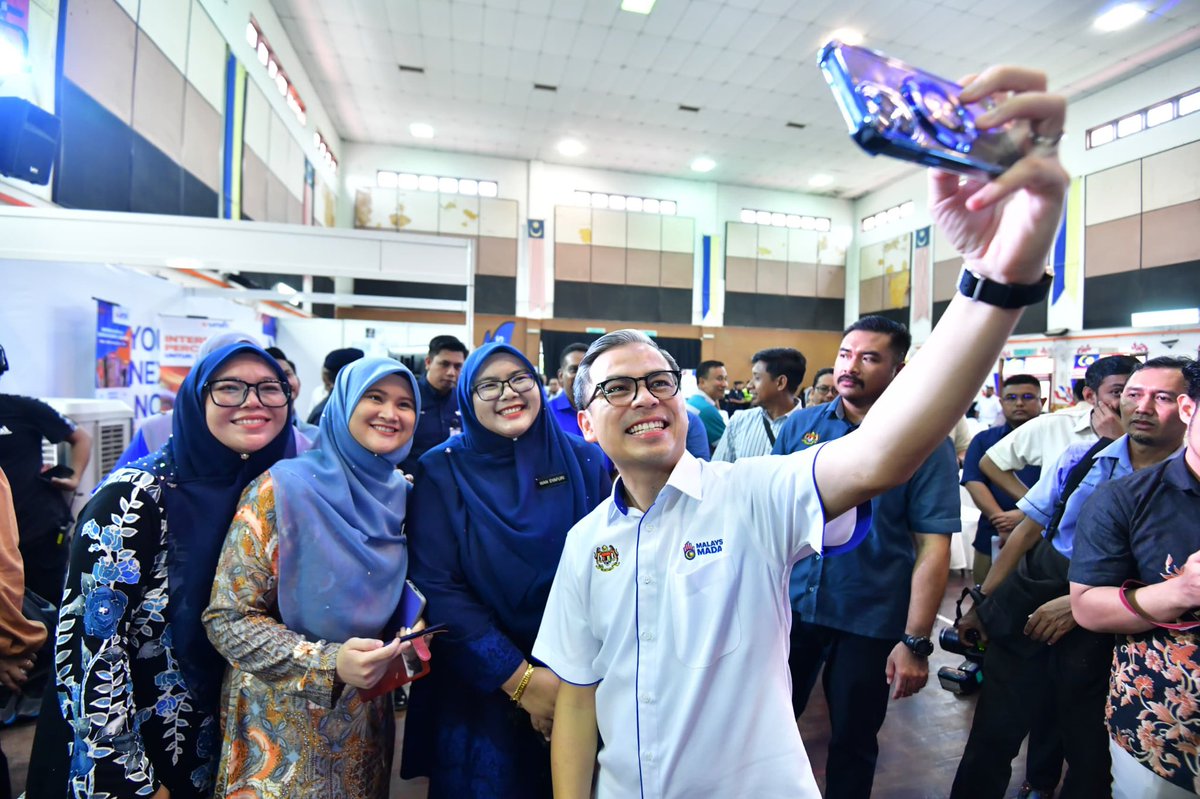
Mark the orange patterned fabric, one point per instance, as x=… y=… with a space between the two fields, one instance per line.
x=288 y=731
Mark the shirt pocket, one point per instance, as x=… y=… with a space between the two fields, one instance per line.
x=704 y=613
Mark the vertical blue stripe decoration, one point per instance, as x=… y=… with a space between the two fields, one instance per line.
x=1060 y=256
x=230 y=108
x=706 y=277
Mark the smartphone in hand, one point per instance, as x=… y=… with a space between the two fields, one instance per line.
x=900 y=111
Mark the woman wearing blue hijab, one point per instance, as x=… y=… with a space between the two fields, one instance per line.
x=137 y=680
x=491 y=510
x=308 y=584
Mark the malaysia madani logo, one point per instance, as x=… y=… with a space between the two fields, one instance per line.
x=607 y=558
x=689 y=551
x=810 y=439
x=692 y=551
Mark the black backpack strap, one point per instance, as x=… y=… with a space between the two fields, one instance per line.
x=767 y=427
x=1074 y=478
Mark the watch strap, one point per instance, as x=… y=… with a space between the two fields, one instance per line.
x=1003 y=295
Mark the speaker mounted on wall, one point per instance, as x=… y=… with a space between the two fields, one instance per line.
x=29 y=138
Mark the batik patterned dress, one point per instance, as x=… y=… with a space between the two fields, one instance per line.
x=119 y=685
x=290 y=729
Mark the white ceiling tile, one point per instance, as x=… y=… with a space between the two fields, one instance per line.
x=468 y=58
x=589 y=41
x=522 y=66
x=695 y=22
x=644 y=52
x=550 y=69
x=673 y=54
x=402 y=16
x=435 y=18
x=699 y=61
x=754 y=32
x=539 y=8
x=439 y=55
x=498 y=26
x=468 y=22
x=568 y=9
x=529 y=32
x=617 y=45
x=559 y=36
x=494 y=60
x=575 y=74
x=665 y=17
x=601 y=13
x=724 y=27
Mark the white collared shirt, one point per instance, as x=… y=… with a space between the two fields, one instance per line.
x=681 y=615
x=1043 y=438
x=746 y=436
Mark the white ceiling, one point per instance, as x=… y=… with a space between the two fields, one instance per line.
x=749 y=65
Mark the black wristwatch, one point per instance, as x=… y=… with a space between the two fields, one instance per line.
x=920 y=645
x=1003 y=295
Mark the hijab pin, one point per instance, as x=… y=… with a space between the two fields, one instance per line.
x=245 y=456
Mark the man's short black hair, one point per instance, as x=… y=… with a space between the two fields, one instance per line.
x=276 y=353
x=1192 y=373
x=785 y=361
x=3 y=361
x=577 y=346
x=1022 y=380
x=1179 y=362
x=824 y=370
x=901 y=338
x=441 y=343
x=707 y=366
x=1077 y=389
x=1107 y=367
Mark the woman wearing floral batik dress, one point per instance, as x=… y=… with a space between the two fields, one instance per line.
x=137 y=680
x=307 y=587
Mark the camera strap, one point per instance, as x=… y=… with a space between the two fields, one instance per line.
x=977 y=598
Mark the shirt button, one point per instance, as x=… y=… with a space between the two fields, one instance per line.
x=650 y=528
x=817 y=556
x=647 y=636
x=812 y=589
x=647 y=579
x=647 y=699
x=648 y=756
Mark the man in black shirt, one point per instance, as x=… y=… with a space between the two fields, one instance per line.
x=40 y=503
x=440 y=417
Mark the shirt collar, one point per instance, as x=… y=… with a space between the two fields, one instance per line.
x=686 y=478
x=795 y=407
x=707 y=399
x=1118 y=450
x=1083 y=419
x=1177 y=474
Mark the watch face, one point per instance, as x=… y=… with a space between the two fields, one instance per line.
x=919 y=645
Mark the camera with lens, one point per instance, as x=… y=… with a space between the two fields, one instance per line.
x=903 y=112
x=966 y=677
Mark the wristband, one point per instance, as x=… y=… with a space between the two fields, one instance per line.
x=516 y=695
x=1003 y=295
x=1131 y=605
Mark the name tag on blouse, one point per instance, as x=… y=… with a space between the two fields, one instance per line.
x=552 y=480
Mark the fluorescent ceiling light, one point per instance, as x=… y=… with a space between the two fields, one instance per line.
x=468 y=187
x=633 y=203
x=637 y=6
x=1160 y=114
x=421 y=130
x=284 y=288
x=747 y=216
x=582 y=197
x=808 y=223
x=251 y=35
x=868 y=224
x=1189 y=103
x=263 y=53
x=847 y=36
x=907 y=208
x=408 y=182
x=571 y=148
x=779 y=220
x=599 y=200
x=703 y=164
x=488 y=188
x=386 y=180
x=650 y=206
x=762 y=217
x=616 y=202
x=427 y=183
x=281 y=84
x=448 y=185
x=1120 y=17
x=667 y=207
x=1179 y=316
x=1130 y=125
x=793 y=221
x=823 y=225
x=820 y=181
x=272 y=68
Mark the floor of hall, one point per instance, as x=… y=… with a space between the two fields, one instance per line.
x=920 y=744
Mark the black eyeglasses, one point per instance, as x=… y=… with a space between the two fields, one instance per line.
x=488 y=390
x=621 y=392
x=1022 y=397
x=822 y=389
x=230 y=392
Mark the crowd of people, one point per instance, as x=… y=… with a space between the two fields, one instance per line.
x=637 y=592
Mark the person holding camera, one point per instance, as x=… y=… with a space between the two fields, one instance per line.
x=1136 y=572
x=39 y=501
x=1036 y=655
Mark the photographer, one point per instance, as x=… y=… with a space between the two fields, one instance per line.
x=1133 y=533
x=1036 y=656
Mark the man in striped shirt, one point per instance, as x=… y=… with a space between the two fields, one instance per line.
x=777 y=375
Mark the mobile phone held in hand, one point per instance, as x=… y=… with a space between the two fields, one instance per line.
x=903 y=112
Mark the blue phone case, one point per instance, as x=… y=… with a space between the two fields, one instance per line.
x=893 y=109
x=412 y=604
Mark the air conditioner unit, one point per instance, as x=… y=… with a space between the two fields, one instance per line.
x=110 y=424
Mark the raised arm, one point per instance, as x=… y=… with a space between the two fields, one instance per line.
x=1004 y=230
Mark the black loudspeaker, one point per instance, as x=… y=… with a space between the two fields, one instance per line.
x=28 y=140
